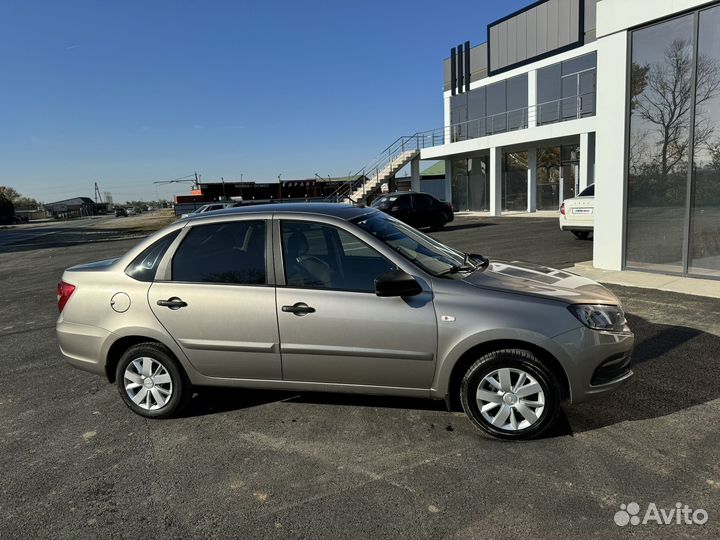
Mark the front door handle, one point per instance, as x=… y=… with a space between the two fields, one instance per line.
x=172 y=303
x=299 y=309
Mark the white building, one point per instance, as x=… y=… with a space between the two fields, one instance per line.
x=622 y=93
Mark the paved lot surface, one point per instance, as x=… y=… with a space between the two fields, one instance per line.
x=74 y=462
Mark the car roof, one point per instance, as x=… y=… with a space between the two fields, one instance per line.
x=394 y=193
x=342 y=211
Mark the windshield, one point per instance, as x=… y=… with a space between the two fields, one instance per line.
x=430 y=255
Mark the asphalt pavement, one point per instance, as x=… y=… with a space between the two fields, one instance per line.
x=76 y=463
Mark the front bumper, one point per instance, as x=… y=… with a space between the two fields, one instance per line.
x=596 y=363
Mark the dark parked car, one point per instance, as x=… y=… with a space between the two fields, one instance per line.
x=416 y=209
x=120 y=212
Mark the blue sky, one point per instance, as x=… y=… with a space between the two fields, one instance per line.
x=126 y=93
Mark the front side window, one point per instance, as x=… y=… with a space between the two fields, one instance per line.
x=318 y=256
x=386 y=201
x=430 y=255
x=230 y=252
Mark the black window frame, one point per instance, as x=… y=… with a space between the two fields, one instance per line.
x=268 y=281
x=133 y=266
x=282 y=280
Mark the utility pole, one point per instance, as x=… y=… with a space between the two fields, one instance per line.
x=280 y=186
x=223 y=183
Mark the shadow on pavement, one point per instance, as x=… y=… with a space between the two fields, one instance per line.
x=675 y=368
x=452 y=226
x=58 y=236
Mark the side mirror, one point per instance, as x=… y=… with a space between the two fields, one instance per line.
x=397 y=283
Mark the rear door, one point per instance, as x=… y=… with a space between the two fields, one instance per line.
x=422 y=207
x=215 y=298
x=333 y=328
x=403 y=210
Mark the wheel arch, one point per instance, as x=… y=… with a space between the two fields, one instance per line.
x=470 y=355
x=121 y=343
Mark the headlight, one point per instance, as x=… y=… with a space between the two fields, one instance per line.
x=599 y=317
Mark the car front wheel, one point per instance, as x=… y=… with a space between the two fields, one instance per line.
x=510 y=394
x=151 y=382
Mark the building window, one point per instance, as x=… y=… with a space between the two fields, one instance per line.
x=495 y=108
x=704 y=238
x=566 y=90
x=515 y=178
x=662 y=74
x=547 y=188
x=470 y=183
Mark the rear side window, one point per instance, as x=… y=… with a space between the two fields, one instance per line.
x=422 y=202
x=144 y=266
x=229 y=252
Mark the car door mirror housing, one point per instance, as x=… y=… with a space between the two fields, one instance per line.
x=397 y=283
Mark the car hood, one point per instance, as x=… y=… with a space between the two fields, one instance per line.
x=536 y=280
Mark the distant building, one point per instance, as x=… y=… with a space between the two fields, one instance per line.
x=75 y=207
x=432 y=181
x=293 y=190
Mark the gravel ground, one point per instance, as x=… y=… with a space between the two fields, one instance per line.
x=77 y=464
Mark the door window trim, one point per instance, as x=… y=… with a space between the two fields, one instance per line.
x=164 y=272
x=279 y=263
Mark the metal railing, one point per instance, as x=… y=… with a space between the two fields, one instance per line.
x=386 y=163
x=550 y=112
x=401 y=151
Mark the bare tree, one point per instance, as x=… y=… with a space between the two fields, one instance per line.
x=663 y=97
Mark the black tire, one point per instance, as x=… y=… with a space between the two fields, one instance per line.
x=581 y=235
x=523 y=361
x=439 y=223
x=180 y=387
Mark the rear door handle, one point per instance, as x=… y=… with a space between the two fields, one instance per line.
x=299 y=309
x=172 y=303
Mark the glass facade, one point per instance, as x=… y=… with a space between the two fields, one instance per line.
x=470 y=184
x=557 y=175
x=495 y=108
x=515 y=181
x=704 y=232
x=566 y=90
x=673 y=187
x=547 y=187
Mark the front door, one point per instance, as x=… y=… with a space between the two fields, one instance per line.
x=217 y=303
x=333 y=328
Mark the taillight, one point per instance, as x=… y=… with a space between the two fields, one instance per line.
x=562 y=209
x=64 y=291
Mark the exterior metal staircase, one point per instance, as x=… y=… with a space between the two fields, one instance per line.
x=368 y=180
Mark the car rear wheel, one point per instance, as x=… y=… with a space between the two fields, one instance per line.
x=510 y=394
x=151 y=382
x=581 y=235
x=440 y=222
